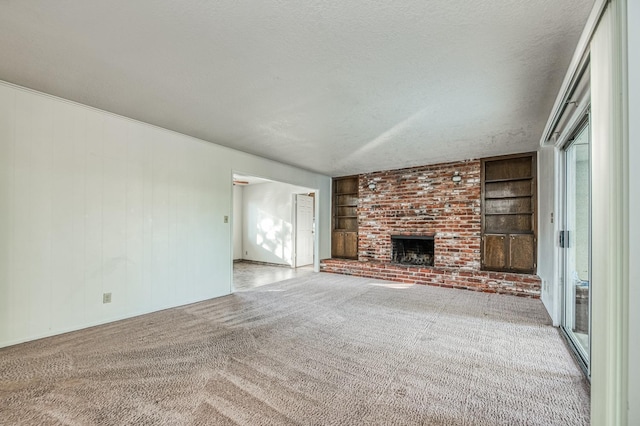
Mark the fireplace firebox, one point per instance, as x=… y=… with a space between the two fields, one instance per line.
x=415 y=250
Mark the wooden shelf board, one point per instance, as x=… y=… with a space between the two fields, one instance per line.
x=508 y=179
x=507 y=198
x=509 y=214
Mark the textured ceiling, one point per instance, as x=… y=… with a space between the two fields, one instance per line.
x=334 y=86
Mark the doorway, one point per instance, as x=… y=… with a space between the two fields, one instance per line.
x=575 y=241
x=304 y=229
x=273 y=235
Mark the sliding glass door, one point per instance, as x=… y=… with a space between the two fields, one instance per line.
x=576 y=242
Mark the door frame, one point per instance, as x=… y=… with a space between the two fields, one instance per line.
x=295 y=228
x=581 y=124
x=316 y=209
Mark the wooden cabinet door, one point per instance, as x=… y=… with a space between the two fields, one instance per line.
x=521 y=252
x=351 y=245
x=344 y=244
x=495 y=251
x=337 y=244
x=505 y=252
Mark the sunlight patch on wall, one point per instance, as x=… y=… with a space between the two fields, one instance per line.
x=274 y=235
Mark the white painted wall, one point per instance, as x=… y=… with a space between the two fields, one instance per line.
x=268 y=222
x=91 y=202
x=633 y=49
x=237 y=221
x=547 y=231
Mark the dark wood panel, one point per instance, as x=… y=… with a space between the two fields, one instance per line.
x=494 y=250
x=508 y=224
x=344 y=244
x=511 y=168
x=518 y=188
x=508 y=205
x=344 y=238
x=351 y=245
x=522 y=253
x=337 y=244
x=346 y=223
x=346 y=185
x=509 y=213
x=346 y=211
x=346 y=200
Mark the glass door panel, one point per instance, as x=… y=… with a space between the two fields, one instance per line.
x=576 y=243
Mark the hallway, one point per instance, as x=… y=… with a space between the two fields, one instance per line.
x=249 y=275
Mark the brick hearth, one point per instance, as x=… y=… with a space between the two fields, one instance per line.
x=485 y=281
x=425 y=201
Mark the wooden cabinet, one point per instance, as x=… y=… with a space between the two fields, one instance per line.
x=344 y=238
x=344 y=244
x=509 y=213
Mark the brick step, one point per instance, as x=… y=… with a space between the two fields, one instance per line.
x=523 y=285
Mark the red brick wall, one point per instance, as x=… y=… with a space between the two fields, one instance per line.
x=422 y=201
x=425 y=201
x=484 y=281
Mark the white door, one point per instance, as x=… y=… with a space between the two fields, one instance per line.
x=304 y=230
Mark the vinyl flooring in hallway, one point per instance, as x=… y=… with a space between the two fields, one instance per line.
x=249 y=275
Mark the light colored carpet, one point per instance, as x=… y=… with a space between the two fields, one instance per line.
x=321 y=349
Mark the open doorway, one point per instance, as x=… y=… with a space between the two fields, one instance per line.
x=273 y=231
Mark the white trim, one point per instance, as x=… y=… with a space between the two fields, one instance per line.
x=558 y=202
x=609 y=363
x=574 y=69
x=631 y=91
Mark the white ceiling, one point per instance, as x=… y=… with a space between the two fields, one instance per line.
x=334 y=86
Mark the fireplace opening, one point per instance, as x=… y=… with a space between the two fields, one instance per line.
x=412 y=250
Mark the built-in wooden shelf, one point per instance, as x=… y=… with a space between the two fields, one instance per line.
x=344 y=236
x=507 y=179
x=509 y=239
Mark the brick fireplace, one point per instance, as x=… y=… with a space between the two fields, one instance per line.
x=414 y=250
x=425 y=204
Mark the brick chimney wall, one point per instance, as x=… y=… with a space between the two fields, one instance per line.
x=422 y=201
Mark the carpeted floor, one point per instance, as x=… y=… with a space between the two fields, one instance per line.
x=320 y=349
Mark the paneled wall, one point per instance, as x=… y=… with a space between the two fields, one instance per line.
x=94 y=203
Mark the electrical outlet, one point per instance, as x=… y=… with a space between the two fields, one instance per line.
x=106 y=298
